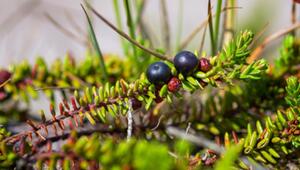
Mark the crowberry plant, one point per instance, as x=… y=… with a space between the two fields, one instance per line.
x=231 y=110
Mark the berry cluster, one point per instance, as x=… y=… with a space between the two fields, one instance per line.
x=185 y=63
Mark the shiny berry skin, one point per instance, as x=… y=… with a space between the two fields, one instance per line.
x=4 y=76
x=159 y=73
x=185 y=62
x=204 y=65
x=174 y=84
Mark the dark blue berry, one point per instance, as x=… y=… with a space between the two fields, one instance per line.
x=159 y=73
x=185 y=62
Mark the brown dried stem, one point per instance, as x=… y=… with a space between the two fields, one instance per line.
x=64 y=30
x=203 y=24
x=256 y=53
x=165 y=25
x=127 y=37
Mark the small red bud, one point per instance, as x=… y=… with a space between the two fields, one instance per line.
x=204 y=65
x=174 y=84
x=4 y=76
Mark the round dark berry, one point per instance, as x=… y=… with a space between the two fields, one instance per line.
x=204 y=65
x=185 y=62
x=174 y=84
x=4 y=76
x=159 y=73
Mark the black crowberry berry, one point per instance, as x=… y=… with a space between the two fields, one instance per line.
x=185 y=62
x=159 y=73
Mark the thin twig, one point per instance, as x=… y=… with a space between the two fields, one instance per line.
x=123 y=34
x=5 y=82
x=158 y=123
x=129 y=121
x=259 y=35
x=165 y=25
x=64 y=30
x=255 y=54
x=55 y=88
x=188 y=127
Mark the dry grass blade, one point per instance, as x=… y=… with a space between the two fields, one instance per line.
x=4 y=83
x=123 y=34
x=202 y=25
x=140 y=13
x=74 y=23
x=228 y=23
x=165 y=25
x=293 y=15
x=211 y=28
x=18 y=15
x=94 y=41
x=259 y=34
x=255 y=54
x=64 y=30
x=202 y=40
